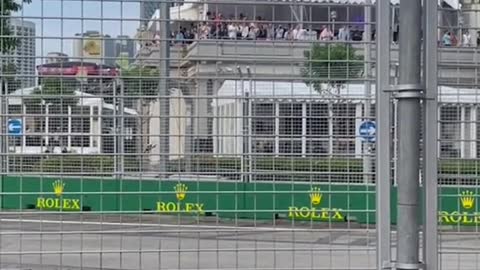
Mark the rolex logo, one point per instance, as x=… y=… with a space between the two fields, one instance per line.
x=181 y=191
x=315 y=196
x=58 y=187
x=467 y=199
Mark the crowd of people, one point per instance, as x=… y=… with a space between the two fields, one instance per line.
x=449 y=39
x=244 y=29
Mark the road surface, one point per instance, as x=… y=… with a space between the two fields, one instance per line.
x=73 y=241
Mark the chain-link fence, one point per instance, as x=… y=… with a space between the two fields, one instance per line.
x=214 y=134
x=458 y=119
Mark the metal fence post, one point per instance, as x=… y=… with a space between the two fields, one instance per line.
x=430 y=227
x=164 y=70
x=408 y=130
x=383 y=153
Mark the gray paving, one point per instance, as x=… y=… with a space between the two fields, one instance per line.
x=151 y=242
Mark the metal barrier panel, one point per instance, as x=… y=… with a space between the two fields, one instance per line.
x=220 y=134
x=458 y=137
x=187 y=134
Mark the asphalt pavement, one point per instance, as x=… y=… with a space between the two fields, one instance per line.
x=72 y=241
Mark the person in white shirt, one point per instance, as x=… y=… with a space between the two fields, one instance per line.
x=270 y=32
x=295 y=32
x=279 y=33
x=252 y=34
x=232 y=30
x=466 y=39
x=244 y=31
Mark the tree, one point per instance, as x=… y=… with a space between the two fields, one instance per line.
x=58 y=92
x=140 y=82
x=9 y=71
x=8 y=42
x=331 y=65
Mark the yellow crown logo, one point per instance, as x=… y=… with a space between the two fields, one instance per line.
x=467 y=198
x=315 y=196
x=181 y=191
x=58 y=187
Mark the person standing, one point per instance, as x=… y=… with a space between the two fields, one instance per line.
x=326 y=34
x=466 y=39
x=344 y=33
x=447 y=39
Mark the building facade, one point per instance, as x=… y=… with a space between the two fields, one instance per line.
x=23 y=56
x=124 y=49
x=56 y=57
x=94 y=47
x=147 y=9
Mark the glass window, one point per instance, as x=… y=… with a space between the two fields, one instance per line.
x=80 y=124
x=450 y=131
x=343 y=120
x=290 y=147
x=317 y=119
x=80 y=141
x=343 y=147
x=317 y=147
x=290 y=119
x=266 y=145
x=263 y=119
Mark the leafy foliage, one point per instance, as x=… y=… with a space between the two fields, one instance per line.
x=8 y=43
x=9 y=71
x=140 y=82
x=331 y=64
x=58 y=92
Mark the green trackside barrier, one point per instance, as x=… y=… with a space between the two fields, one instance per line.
x=188 y=197
x=55 y=194
x=258 y=200
x=332 y=203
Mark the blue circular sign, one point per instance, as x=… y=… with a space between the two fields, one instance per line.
x=367 y=131
x=14 y=126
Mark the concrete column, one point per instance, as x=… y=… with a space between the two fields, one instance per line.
x=473 y=132
x=463 y=126
x=201 y=110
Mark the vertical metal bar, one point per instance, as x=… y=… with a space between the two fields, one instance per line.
x=164 y=69
x=383 y=177
x=368 y=88
x=430 y=225
x=2 y=136
x=121 y=153
x=114 y=130
x=408 y=129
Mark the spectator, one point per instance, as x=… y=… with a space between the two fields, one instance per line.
x=262 y=32
x=189 y=36
x=232 y=30
x=279 y=34
x=253 y=32
x=289 y=34
x=296 y=32
x=447 y=39
x=344 y=33
x=270 y=32
x=466 y=39
x=244 y=30
x=454 y=39
x=302 y=34
x=478 y=38
x=179 y=37
x=326 y=34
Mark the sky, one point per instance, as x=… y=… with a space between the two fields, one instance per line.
x=57 y=21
